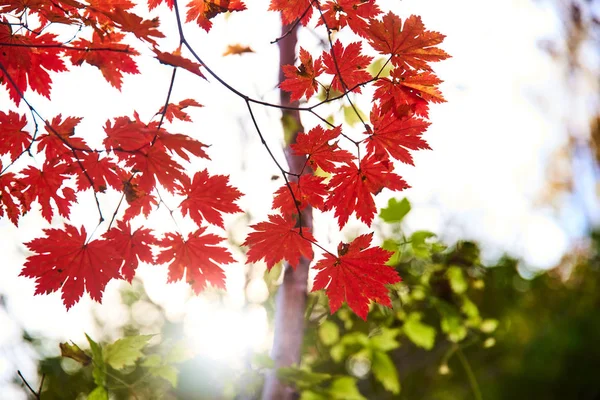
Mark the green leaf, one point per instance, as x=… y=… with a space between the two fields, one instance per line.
x=355 y=338
x=351 y=117
x=338 y=352
x=457 y=280
x=153 y=360
x=308 y=395
x=272 y=276
x=96 y=350
x=471 y=311
x=420 y=247
x=345 y=315
x=322 y=94
x=419 y=333
x=392 y=245
x=345 y=389
x=300 y=377
x=167 y=372
x=385 y=341
x=329 y=333
x=178 y=354
x=395 y=211
x=377 y=65
x=263 y=360
x=99 y=371
x=332 y=94
x=322 y=174
x=99 y=393
x=488 y=325
x=419 y=237
x=290 y=126
x=74 y=352
x=452 y=324
x=418 y=293
x=126 y=351
x=385 y=371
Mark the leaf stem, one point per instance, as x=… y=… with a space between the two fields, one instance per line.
x=470 y=375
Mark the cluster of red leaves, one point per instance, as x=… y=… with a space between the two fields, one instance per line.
x=358 y=274
x=138 y=157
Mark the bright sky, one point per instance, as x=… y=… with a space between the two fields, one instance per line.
x=509 y=107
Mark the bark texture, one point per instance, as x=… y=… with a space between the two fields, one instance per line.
x=291 y=297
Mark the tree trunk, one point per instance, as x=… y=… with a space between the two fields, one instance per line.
x=291 y=298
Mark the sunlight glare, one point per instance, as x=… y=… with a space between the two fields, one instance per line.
x=224 y=334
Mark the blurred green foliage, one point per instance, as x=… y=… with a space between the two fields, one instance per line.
x=457 y=330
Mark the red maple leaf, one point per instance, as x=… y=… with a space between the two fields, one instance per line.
x=408 y=88
x=204 y=10
x=45 y=185
x=424 y=84
x=127 y=136
x=409 y=45
x=207 y=197
x=56 y=11
x=302 y=80
x=357 y=276
x=348 y=67
x=25 y=64
x=152 y=4
x=131 y=247
x=109 y=5
x=155 y=164
x=60 y=140
x=352 y=188
x=10 y=196
x=352 y=13
x=309 y=190
x=278 y=239
x=102 y=172
x=64 y=260
x=143 y=29
x=197 y=256
x=107 y=54
x=181 y=144
x=175 y=59
x=293 y=10
x=395 y=136
x=139 y=200
x=237 y=49
x=176 y=110
x=99 y=11
x=13 y=138
x=321 y=154
x=131 y=140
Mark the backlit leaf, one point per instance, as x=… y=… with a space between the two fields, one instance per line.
x=278 y=239
x=357 y=276
x=126 y=351
x=395 y=211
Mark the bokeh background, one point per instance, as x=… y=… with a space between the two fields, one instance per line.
x=514 y=168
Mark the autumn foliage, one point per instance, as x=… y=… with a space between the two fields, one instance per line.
x=142 y=156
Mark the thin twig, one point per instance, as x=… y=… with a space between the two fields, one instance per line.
x=33 y=392
x=470 y=375
x=295 y=24
x=283 y=172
